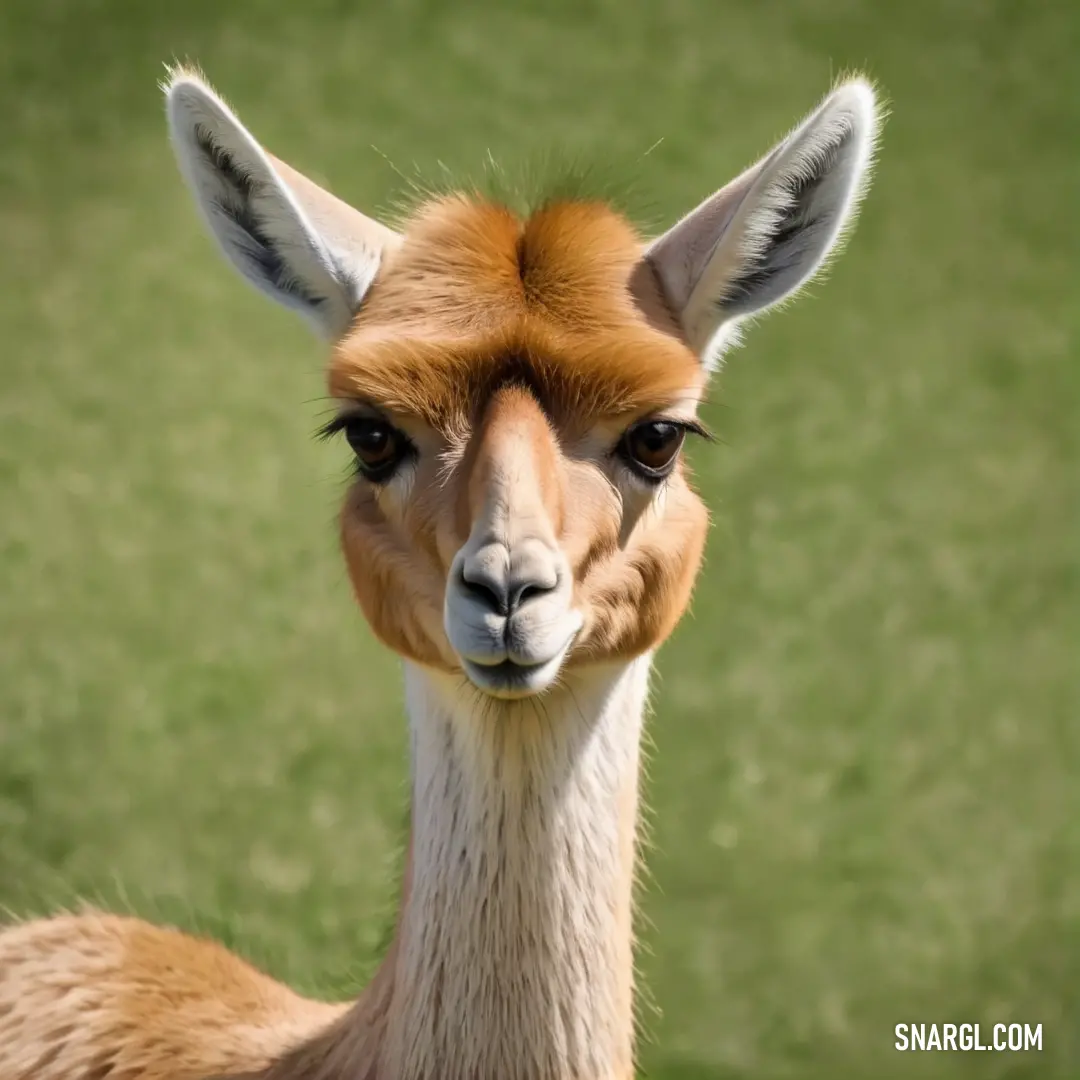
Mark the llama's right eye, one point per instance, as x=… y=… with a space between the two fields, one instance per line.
x=379 y=447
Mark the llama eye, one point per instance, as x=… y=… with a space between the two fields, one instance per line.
x=651 y=448
x=379 y=447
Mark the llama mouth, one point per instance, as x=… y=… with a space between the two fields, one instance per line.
x=509 y=679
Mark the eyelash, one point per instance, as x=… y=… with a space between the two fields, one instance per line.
x=691 y=427
x=334 y=425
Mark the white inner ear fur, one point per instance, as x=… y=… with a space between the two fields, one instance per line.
x=759 y=239
x=293 y=241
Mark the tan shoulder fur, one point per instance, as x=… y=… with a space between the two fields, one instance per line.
x=103 y=997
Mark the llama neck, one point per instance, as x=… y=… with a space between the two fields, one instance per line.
x=514 y=952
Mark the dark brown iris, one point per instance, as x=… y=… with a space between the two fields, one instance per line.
x=652 y=447
x=377 y=445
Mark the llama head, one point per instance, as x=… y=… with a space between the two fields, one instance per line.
x=516 y=390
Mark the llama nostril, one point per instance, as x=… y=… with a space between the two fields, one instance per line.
x=527 y=591
x=484 y=588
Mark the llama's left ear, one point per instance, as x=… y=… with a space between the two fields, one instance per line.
x=768 y=232
x=292 y=240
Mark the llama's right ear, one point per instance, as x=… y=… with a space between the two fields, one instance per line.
x=767 y=233
x=294 y=241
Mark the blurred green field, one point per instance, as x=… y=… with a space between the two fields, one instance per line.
x=864 y=781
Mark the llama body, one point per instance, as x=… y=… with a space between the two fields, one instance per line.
x=522 y=533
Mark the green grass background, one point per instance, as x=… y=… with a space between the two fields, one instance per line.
x=865 y=776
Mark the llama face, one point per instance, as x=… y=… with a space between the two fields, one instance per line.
x=520 y=505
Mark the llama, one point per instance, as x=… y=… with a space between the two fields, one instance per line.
x=522 y=533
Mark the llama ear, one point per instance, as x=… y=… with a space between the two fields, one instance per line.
x=768 y=232
x=294 y=241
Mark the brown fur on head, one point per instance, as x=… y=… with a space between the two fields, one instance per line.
x=498 y=376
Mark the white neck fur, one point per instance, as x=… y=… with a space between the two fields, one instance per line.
x=516 y=943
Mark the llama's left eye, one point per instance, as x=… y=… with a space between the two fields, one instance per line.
x=379 y=447
x=651 y=448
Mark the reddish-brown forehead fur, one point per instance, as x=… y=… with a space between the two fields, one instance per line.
x=476 y=296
